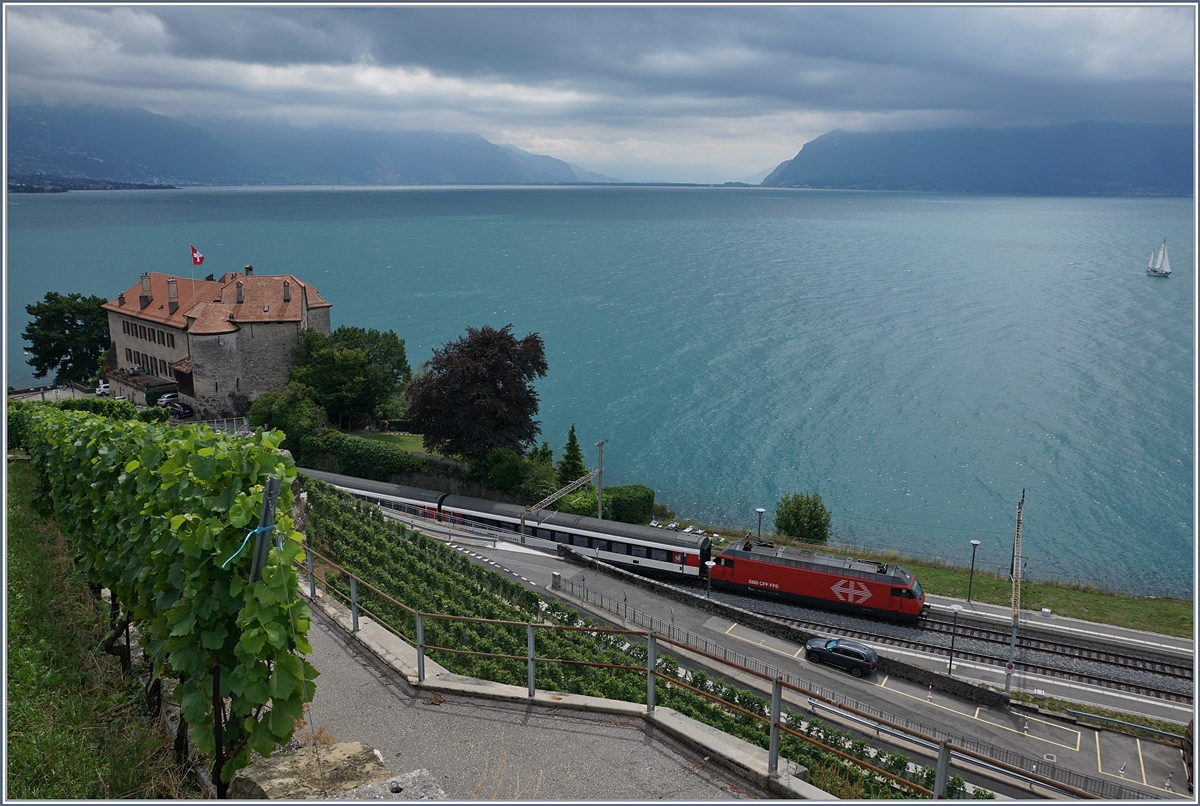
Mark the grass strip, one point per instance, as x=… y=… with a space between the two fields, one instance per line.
x=76 y=724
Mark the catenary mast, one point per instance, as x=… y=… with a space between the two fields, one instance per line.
x=1016 y=595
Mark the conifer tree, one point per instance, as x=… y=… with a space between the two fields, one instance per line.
x=571 y=466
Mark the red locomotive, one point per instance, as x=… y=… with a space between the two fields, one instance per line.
x=820 y=580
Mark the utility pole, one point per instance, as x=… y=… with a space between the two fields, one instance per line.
x=600 y=482
x=1016 y=597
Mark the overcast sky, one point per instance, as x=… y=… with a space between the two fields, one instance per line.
x=667 y=93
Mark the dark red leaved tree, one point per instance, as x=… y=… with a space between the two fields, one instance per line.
x=477 y=393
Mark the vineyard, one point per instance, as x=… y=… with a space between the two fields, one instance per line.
x=432 y=578
x=161 y=516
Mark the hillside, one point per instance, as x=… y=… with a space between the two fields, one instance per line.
x=133 y=145
x=1079 y=159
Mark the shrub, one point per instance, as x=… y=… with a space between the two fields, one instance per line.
x=803 y=516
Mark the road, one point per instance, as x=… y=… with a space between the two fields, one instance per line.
x=1104 y=755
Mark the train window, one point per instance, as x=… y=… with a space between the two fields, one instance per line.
x=545 y=534
x=618 y=548
x=599 y=545
x=637 y=551
x=725 y=561
x=579 y=540
x=898 y=592
x=661 y=555
x=562 y=537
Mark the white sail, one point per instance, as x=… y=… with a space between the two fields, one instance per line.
x=1160 y=264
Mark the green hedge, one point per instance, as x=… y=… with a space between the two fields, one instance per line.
x=633 y=503
x=355 y=456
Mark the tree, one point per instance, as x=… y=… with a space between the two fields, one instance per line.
x=477 y=393
x=385 y=352
x=68 y=334
x=354 y=372
x=571 y=466
x=803 y=516
x=294 y=411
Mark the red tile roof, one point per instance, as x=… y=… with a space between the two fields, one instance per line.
x=208 y=303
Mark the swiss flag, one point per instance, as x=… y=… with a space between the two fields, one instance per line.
x=197 y=258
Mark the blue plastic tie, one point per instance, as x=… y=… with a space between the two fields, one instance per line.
x=249 y=533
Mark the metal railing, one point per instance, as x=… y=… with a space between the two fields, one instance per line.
x=777 y=721
x=620 y=607
x=239 y=425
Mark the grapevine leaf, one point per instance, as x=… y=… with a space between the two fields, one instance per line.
x=204 y=467
x=184 y=625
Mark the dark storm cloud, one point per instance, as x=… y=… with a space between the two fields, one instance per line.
x=863 y=59
x=575 y=81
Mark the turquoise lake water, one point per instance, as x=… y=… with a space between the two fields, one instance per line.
x=917 y=359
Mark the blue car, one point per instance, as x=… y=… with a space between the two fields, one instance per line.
x=181 y=411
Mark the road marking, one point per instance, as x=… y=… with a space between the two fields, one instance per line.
x=1141 y=760
x=794 y=655
x=1078 y=735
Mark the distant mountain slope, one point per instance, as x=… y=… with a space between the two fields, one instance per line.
x=549 y=169
x=1079 y=159
x=127 y=145
x=133 y=145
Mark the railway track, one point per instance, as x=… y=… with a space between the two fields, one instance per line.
x=1068 y=649
x=877 y=636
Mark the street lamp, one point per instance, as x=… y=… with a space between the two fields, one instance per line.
x=971 y=584
x=710 y=564
x=957 y=608
x=760 y=512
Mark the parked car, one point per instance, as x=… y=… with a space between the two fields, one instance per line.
x=102 y=390
x=181 y=410
x=168 y=398
x=858 y=658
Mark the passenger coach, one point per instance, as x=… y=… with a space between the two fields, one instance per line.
x=638 y=547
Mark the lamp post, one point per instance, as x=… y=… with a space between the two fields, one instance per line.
x=971 y=584
x=710 y=565
x=760 y=512
x=957 y=608
x=600 y=482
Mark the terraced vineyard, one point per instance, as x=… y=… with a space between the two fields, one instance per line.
x=427 y=576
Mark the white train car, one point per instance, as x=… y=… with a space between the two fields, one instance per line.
x=640 y=548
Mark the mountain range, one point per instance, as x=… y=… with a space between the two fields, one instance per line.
x=133 y=145
x=136 y=146
x=1079 y=159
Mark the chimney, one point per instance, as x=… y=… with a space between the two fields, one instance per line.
x=249 y=270
x=121 y=299
x=240 y=298
x=145 y=298
x=287 y=291
x=172 y=296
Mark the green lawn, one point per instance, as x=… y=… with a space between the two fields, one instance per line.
x=408 y=442
x=76 y=725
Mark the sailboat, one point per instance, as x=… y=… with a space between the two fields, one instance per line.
x=1160 y=264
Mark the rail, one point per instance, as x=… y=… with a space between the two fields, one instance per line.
x=1030 y=766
